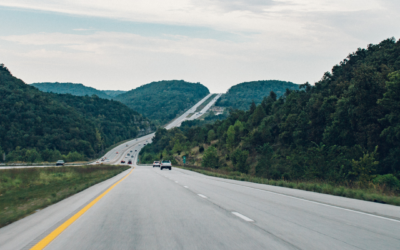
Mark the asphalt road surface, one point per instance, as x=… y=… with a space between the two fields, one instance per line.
x=121 y=152
x=179 y=209
x=204 y=110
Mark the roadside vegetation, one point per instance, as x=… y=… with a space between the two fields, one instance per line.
x=23 y=191
x=342 y=132
x=380 y=193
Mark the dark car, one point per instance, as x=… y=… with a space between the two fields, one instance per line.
x=60 y=163
x=122 y=161
x=129 y=162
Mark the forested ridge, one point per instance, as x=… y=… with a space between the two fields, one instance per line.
x=345 y=129
x=37 y=126
x=77 y=89
x=240 y=96
x=162 y=101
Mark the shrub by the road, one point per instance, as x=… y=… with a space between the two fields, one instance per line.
x=22 y=191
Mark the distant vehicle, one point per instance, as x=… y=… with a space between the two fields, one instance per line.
x=129 y=162
x=128 y=154
x=156 y=164
x=102 y=159
x=144 y=144
x=131 y=156
x=127 y=145
x=165 y=164
x=60 y=163
x=135 y=150
x=122 y=161
x=131 y=151
x=117 y=152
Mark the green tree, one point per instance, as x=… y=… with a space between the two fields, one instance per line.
x=230 y=140
x=258 y=115
x=363 y=168
x=239 y=158
x=211 y=136
x=177 y=147
x=210 y=158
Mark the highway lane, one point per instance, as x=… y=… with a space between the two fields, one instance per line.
x=179 y=209
x=204 y=110
x=115 y=155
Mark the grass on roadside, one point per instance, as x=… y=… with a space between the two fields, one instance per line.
x=23 y=191
x=372 y=194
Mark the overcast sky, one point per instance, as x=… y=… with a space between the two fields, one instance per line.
x=122 y=44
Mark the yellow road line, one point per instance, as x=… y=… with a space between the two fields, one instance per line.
x=45 y=241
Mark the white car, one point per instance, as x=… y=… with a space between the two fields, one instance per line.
x=165 y=164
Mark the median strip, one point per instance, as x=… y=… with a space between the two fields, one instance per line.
x=49 y=238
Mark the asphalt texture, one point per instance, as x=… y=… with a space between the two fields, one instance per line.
x=180 y=209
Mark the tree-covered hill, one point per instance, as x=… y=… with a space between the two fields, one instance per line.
x=243 y=94
x=163 y=101
x=76 y=89
x=43 y=124
x=345 y=129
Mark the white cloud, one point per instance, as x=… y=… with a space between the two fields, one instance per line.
x=282 y=39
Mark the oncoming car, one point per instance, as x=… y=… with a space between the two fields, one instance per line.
x=60 y=163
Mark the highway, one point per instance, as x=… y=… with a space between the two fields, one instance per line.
x=180 y=209
x=204 y=110
x=146 y=208
x=115 y=155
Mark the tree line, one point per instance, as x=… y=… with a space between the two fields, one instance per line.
x=37 y=126
x=345 y=128
x=163 y=101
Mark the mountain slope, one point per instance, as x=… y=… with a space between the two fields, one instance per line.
x=241 y=95
x=76 y=89
x=163 y=101
x=31 y=119
x=344 y=130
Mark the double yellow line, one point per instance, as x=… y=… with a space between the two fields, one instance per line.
x=45 y=241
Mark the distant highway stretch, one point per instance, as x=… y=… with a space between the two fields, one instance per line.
x=146 y=208
x=112 y=157
x=119 y=153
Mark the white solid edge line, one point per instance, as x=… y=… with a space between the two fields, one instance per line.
x=185 y=186
x=176 y=181
x=202 y=196
x=319 y=203
x=242 y=217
